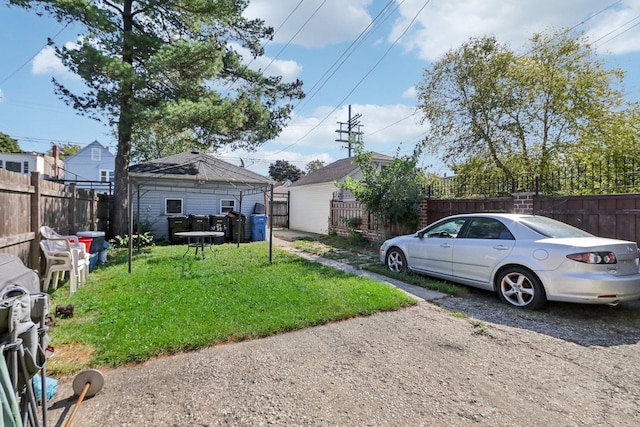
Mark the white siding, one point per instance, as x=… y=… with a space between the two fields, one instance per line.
x=309 y=207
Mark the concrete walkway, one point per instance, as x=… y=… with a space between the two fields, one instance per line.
x=283 y=239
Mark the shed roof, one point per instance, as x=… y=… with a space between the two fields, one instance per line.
x=337 y=170
x=197 y=166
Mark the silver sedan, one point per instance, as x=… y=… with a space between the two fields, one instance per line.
x=526 y=259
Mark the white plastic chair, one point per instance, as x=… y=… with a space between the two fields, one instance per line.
x=74 y=242
x=61 y=258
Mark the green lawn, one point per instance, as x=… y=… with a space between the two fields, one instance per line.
x=170 y=303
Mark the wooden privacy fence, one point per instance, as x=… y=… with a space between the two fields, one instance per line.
x=27 y=202
x=614 y=215
x=280 y=210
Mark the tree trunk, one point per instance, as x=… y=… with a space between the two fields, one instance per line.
x=120 y=225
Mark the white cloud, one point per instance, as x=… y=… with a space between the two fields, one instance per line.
x=312 y=24
x=410 y=93
x=46 y=62
x=289 y=70
x=442 y=26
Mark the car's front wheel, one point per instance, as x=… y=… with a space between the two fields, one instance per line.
x=396 y=261
x=519 y=287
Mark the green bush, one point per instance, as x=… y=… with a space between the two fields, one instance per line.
x=145 y=239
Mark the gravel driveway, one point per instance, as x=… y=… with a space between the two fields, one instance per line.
x=565 y=365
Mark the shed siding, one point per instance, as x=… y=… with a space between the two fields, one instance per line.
x=196 y=201
x=309 y=207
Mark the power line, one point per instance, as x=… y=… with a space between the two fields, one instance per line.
x=393 y=124
x=296 y=34
x=346 y=54
x=33 y=56
x=363 y=77
x=616 y=29
x=230 y=85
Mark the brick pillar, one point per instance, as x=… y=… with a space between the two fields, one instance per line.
x=523 y=203
x=423 y=219
x=364 y=219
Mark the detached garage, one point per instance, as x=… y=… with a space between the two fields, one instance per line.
x=311 y=195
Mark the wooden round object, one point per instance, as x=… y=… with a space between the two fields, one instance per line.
x=88 y=376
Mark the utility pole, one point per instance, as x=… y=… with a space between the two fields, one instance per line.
x=353 y=131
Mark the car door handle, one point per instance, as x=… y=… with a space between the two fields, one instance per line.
x=445 y=245
x=501 y=248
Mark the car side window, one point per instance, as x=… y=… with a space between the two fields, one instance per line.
x=448 y=229
x=487 y=228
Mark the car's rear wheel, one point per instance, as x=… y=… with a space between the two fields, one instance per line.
x=519 y=287
x=396 y=261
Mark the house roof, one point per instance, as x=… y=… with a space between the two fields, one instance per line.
x=337 y=170
x=94 y=144
x=196 y=166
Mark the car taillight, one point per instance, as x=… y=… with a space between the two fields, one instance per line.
x=594 y=257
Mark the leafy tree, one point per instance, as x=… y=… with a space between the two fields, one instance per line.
x=8 y=144
x=522 y=113
x=66 y=150
x=314 y=165
x=175 y=62
x=282 y=170
x=392 y=192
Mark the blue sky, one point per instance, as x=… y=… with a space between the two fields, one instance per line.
x=323 y=44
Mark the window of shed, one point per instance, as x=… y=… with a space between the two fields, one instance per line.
x=227 y=206
x=173 y=206
x=13 y=166
x=96 y=154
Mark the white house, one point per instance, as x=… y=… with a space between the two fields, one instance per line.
x=311 y=195
x=48 y=166
x=92 y=165
x=196 y=184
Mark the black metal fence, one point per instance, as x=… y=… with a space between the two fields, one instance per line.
x=101 y=187
x=606 y=177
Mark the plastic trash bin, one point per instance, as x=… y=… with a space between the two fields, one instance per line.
x=198 y=222
x=218 y=223
x=177 y=224
x=258 y=228
x=236 y=223
x=258 y=208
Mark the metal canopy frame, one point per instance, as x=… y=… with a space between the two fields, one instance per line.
x=206 y=185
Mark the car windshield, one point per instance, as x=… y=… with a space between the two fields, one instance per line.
x=551 y=228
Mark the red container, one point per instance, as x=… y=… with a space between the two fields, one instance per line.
x=87 y=243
